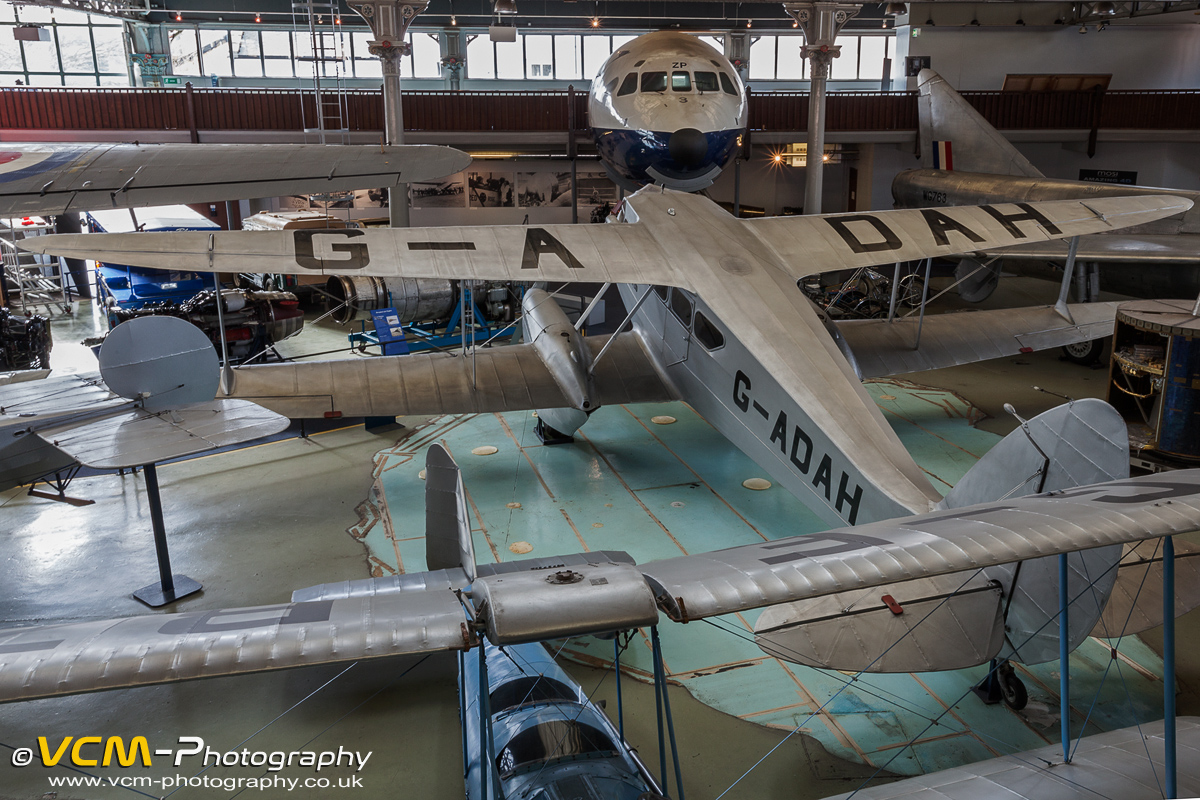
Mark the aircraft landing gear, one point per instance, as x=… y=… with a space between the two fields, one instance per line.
x=1002 y=683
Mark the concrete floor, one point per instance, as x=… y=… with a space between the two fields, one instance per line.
x=256 y=523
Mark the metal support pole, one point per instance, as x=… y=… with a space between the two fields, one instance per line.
x=617 y=670
x=1169 y=744
x=895 y=291
x=1068 y=274
x=574 y=192
x=658 y=711
x=1064 y=656
x=814 y=164
x=393 y=120
x=737 y=191
x=462 y=698
x=170 y=587
x=484 y=724
x=924 y=299
x=662 y=674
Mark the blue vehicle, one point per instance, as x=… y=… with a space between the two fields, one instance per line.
x=127 y=287
x=550 y=741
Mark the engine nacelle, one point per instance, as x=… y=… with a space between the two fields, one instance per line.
x=564 y=352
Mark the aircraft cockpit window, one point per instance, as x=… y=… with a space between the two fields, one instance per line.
x=654 y=81
x=532 y=689
x=681 y=81
x=551 y=740
x=706 y=82
x=637 y=64
x=611 y=86
x=681 y=307
x=629 y=85
x=707 y=333
x=727 y=85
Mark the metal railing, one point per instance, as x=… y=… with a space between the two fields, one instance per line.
x=209 y=109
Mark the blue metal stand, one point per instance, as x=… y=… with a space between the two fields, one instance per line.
x=617 y=670
x=1169 y=665
x=660 y=678
x=1064 y=656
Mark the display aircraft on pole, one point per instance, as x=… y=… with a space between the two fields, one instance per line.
x=966 y=161
x=48 y=179
x=459 y=605
x=667 y=109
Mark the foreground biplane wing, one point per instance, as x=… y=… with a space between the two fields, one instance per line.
x=592 y=593
x=57 y=178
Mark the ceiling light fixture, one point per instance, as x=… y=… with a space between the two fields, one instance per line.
x=749 y=23
x=179 y=16
x=506 y=7
x=595 y=22
x=257 y=17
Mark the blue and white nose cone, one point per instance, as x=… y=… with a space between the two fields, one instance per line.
x=667 y=109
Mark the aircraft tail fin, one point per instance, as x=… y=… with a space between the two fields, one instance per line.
x=954 y=136
x=447 y=524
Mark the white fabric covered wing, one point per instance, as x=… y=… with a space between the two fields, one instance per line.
x=1119 y=248
x=161 y=648
x=137 y=436
x=885 y=348
x=811 y=244
x=55 y=178
x=844 y=559
x=595 y=253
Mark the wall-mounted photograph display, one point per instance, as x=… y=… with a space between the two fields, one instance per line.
x=491 y=189
x=443 y=193
x=536 y=189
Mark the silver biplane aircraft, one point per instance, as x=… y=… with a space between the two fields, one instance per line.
x=461 y=605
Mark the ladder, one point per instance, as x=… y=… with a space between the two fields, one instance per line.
x=32 y=280
x=327 y=54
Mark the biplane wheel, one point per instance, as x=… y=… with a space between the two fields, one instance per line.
x=1012 y=689
x=1085 y=353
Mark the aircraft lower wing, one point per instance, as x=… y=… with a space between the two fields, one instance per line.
x=54 y=179
x=1104 y=766
x=1118 y=248
x=510 y=378
x=594 y=596
x=885 y=348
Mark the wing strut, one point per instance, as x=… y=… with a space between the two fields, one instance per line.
x=621 y=327
x=1068 y=275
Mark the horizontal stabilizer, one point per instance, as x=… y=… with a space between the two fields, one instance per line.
x=137 y=436
x=1136 y=604
x=56 y=178
x=29 y=403
x=946 y=622
x=885 y=348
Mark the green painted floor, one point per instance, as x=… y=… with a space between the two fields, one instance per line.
x=657 y=491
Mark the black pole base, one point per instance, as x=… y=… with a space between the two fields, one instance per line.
x=155 y=596
x=988 y=689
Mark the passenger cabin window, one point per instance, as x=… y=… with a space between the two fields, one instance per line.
x=681 y=81
x=661 y=291
x=707 y=334
x=654 y=81
x=629 y=86
x=681 y=307
x=706 y=82
x=551 y=740
x=727 y=85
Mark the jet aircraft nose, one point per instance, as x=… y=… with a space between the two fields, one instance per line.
x=688 y=147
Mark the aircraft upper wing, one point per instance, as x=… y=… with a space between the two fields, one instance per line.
x=52 y=178
x=81 y=657
x=1117 y=247
x=840 y=560
x=510 y=378
x=162 y=648
x=884 y=348
x=811 y=244
x=597 y=253
x=645 y=250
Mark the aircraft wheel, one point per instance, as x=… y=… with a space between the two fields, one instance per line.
x=1085 y=353
x=1012 y=689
